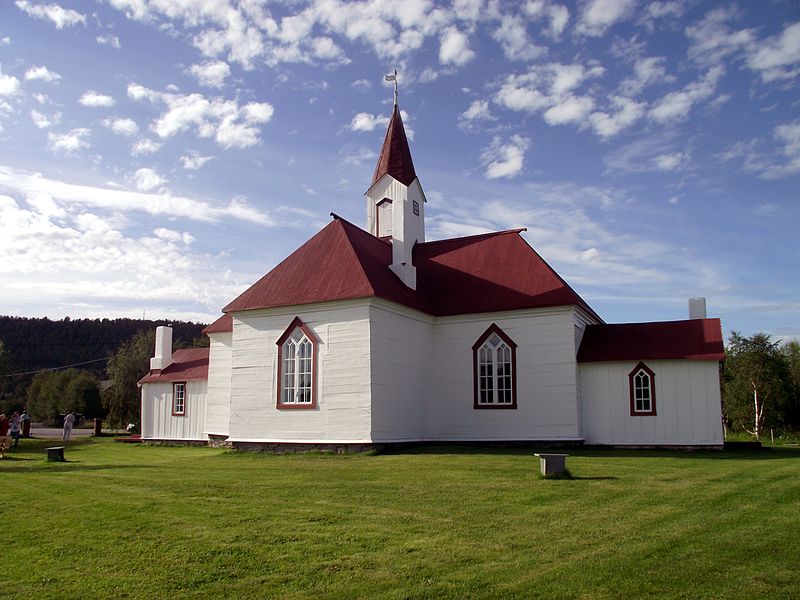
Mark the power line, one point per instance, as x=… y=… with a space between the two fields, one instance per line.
x=86 y=362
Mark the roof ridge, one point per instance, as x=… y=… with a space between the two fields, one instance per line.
x=669 y=322
x=476 y=235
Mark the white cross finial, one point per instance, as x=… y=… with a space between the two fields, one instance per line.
x=393 y=77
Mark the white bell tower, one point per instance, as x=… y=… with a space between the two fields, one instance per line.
x=395 y=200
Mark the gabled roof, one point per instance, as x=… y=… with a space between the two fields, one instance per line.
x=221 y=325
x=188 y=364
x=481 y=273
x=695 y=339
x=395 y=157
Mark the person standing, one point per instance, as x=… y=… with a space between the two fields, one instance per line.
x=68 y=421
x=15 y=428
x=4 y=425
x=26 y=424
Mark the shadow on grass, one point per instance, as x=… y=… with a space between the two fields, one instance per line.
x=76 y=465
x=525 y=449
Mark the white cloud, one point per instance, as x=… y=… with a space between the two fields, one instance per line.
x=597 y=16
x=454 y=48
x=776 y=58
x=676 y=106
x=570 y=109
x=121 y=126
x=5 y=41
x=362 y=85
x=513 y=37
x=367 y=122
x=43 y=121
x=96 y=100
x=80 y=262
x=557 y=14
x=647 y=71
x=788 y=135
x=145 y=146
x=25 y=183
x=109 y=40
x=41 y=73
x=608 y=125
x=70 y=142
x=231 y=125
x=671 y=162
x=9 y=85
x=60 y=17
x=477 y=111
x=712 y=40
x=194 y=161
x=505 y=159
x=147 y=179
x=211 y=73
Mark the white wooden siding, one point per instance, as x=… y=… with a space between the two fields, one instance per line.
x=158 y=422
x=342 y=385
x=546 y=378
x=688 y=406
x=402 y=365
x=218 y=398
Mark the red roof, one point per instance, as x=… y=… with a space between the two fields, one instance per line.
x=188 y=364
x=481 y=273
x=395 y=158
x=696 y=339
x=221 y=325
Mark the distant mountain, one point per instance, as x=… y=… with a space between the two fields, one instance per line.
x=40 y=343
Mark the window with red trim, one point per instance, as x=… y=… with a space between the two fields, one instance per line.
x=642 y=386
x=179 y=398
x=297 y=358
x=494 y=363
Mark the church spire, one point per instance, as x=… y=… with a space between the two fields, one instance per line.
x=395 y=156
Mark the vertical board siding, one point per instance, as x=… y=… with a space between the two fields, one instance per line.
x=546 y=379
x=218 y=398
x=159 y=423
x=688 y=405
x=342 y=376
x=401 y=347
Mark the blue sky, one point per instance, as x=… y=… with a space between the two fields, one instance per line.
x=157 y=157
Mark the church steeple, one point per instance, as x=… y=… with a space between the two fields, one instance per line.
x=395 y=200
x=395 y=157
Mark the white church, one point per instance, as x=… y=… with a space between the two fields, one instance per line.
x=375 y=337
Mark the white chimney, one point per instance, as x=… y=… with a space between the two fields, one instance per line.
x=163 y=354
x=697 y=308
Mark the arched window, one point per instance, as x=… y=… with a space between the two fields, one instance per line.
x=494 y=358
x=297 y=357
x=642 y=386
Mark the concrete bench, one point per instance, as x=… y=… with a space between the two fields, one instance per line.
x=55 y=453
x=552 y=464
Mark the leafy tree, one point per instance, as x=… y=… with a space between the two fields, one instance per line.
x=57 y=392
x=3 y=361
x=125 y=368
x=756 y=378
x=791 y=353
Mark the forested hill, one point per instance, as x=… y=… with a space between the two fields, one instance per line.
x=40 y=343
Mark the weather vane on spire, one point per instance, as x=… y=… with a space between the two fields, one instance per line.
x=393 y=77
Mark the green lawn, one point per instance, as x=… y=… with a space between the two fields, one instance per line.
x=122 y=520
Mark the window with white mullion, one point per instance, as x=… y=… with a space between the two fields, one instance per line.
x=297 y=367
x=642 y=385
x=642 y=392
x=494 y=366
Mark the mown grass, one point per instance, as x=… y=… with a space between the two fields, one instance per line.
x=122 y=520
